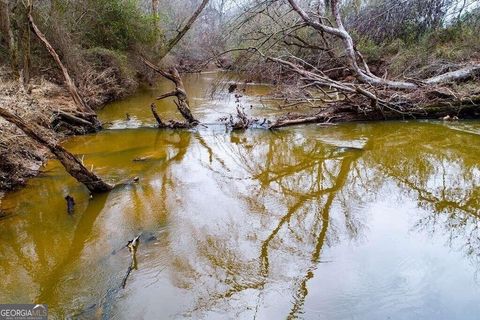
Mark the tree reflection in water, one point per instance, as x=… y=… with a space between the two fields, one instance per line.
x=249 y=217
x=312 y=179
x=443 y=176
x=305 y=177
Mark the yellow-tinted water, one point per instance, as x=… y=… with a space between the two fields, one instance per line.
x=353 y=221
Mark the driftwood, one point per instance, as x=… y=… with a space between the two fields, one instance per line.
x=132 y=246
x=78 y=123
x=182 y=103
x=74 y=119
x=71 y=163
x=242 y=120
x=161 y=124
x=171 y=124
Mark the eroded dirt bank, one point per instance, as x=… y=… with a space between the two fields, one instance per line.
x=47 y=105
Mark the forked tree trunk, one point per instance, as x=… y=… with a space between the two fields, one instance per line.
x=72 y=88
x=182 y=102
x=71 y=163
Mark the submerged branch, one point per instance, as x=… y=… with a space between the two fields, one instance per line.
x=132 y=246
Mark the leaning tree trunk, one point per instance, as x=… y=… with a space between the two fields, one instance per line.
x=173 y=42
x=72 y=88
x=71 y=163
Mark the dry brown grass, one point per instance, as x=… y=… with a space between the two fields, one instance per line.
x=20 y=157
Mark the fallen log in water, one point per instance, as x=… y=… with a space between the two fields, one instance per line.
x=182 y=103
x=463 y=108
x=71 y=163
x=171 y=124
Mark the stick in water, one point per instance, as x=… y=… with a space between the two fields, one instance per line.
x=70 y=204
x=132 y=246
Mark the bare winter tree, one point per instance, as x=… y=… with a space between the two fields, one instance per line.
x=355 y=61
x=181 y=33
x=310 y=40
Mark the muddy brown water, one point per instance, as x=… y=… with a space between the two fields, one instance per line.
x=352 y=221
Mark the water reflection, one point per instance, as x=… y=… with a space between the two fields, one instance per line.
x=305 y=178
x=360 y=220
x=443 y=176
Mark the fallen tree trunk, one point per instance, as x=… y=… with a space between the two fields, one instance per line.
x=465 y=108
x=71 y=163
x=458 y=75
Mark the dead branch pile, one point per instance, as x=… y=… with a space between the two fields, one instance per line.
x=336 y=75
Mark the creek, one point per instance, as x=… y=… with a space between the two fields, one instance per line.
x=350 y=221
